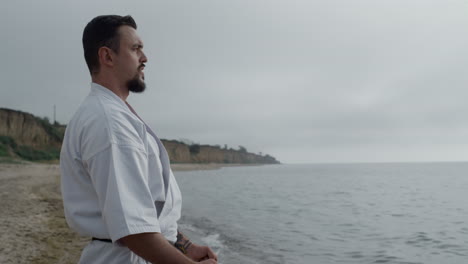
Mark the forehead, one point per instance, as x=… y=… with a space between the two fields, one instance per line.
x=129 y=36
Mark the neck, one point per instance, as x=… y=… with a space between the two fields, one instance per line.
x=112 y=84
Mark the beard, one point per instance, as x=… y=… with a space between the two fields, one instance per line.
x=136 y=85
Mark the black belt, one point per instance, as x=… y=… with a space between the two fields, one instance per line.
x=102 y=240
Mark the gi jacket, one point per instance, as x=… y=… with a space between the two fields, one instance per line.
x=116 y=178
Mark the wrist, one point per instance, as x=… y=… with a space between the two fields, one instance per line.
x=183 y=246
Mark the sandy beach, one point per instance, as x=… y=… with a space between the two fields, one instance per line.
x=33 y=228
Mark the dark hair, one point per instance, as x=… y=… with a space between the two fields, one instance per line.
x=102 y=31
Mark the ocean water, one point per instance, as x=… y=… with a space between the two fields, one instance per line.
x=330 y=213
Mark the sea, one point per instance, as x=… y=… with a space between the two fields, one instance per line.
x=330 y=213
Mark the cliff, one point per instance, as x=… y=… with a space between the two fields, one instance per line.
x=182 y=153
x=27 y=129
x=26 y=136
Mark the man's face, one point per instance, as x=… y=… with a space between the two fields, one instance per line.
x=130 y=60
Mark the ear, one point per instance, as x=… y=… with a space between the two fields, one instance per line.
x=106 y=56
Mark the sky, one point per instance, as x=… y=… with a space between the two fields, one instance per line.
x=318 y=81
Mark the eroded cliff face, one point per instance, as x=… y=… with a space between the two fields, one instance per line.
x=26 y=129
x=178 y=152
x=182 y=153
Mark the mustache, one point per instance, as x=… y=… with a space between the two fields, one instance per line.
x=142 y=66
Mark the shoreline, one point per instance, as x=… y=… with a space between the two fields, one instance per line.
x=207 y=166
x=33 y=228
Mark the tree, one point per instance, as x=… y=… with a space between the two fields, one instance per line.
x=242 y=149
x=46 y=120
x=194 y=149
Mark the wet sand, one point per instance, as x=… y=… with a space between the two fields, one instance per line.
x=32 y=226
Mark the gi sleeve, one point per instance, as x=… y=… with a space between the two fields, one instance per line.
x=119 y=174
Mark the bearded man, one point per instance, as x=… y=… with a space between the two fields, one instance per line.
x=117 y=184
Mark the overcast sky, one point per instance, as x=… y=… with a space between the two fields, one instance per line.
x=304 y=81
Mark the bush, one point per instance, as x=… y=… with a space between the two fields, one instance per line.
x=6 y=143
x=242 y=149
x=26 y=152
x=3 y=150
x=51 y=129
x=32 y=154
x=194 y=149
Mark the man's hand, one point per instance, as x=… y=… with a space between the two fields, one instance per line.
x=198 y=253
x=201 y=254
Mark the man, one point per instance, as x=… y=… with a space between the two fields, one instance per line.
x=117 y=184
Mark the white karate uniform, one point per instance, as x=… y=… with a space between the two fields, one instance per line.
x=116 y=178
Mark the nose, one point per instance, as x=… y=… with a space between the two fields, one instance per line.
x=143 y=58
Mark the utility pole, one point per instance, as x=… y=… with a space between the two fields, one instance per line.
x=54 y=116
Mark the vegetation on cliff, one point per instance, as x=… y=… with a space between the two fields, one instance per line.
x=25 y=136
x=28 y=137
x=9 y=148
